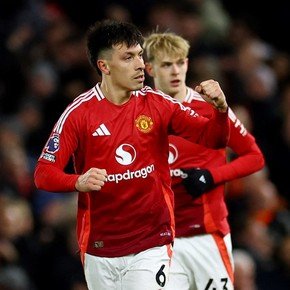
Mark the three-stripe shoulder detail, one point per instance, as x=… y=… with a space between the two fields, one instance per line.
x=75 y=104
x=193 y=95
x=98 y=92
x=143 y=91
x=174 y=101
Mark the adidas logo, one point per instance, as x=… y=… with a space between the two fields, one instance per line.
x=202 y=179
x=102 y=131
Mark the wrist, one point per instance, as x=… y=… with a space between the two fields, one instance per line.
x=223 y=109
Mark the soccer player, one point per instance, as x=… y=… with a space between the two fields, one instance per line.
x=202 y=256
x=117 y=134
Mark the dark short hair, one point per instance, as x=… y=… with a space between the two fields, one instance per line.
x=103 y=35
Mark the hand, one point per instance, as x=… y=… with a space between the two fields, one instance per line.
x=212 y=93
x=92 y=180
x=198 y=181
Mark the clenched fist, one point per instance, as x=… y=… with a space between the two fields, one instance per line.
x=92 y=180
x=212 y=93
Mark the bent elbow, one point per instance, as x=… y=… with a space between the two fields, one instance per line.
x=258 y=162
x=221 y=144
x=261 y=161
x=38 y=177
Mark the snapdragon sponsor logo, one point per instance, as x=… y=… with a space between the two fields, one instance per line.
x=172 y=157
x=127 y=175
x=178 y=173
x=173 y=154
x=126 y=154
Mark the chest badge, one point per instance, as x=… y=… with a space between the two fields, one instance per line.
x=144 y=124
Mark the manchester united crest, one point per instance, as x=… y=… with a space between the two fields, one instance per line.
x=144 y=123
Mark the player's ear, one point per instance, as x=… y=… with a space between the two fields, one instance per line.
x=149 y=69
x=103 y=66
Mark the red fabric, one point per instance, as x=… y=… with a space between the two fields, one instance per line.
x=134 y=209
x=208 y=213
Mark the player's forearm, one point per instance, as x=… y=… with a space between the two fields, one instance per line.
x=238 y=168
x=216 y=135
x=50 y=178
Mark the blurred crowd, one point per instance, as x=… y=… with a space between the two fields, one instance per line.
x=44 y=67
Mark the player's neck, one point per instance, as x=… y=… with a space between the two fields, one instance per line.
x=114 y=94
x=181 y=94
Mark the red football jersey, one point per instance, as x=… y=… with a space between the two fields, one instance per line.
x=134 y=209
x=208 y=213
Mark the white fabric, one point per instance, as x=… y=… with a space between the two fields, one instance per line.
x=141 y=271
x=197 y=264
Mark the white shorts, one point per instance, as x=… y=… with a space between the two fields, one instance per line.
x=147 y=270
x=202 y=262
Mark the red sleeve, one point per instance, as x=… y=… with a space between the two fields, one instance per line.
x=249 y=156
x=50 y=178
x=211 y=133
x=49 y=173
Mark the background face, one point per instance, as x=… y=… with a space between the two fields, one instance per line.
x=169 y=74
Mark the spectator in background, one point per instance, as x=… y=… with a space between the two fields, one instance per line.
x=17 y=254
x=245 y=270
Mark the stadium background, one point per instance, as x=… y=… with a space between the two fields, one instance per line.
x=43 y=66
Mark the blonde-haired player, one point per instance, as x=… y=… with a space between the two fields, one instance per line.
x=202 y=253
